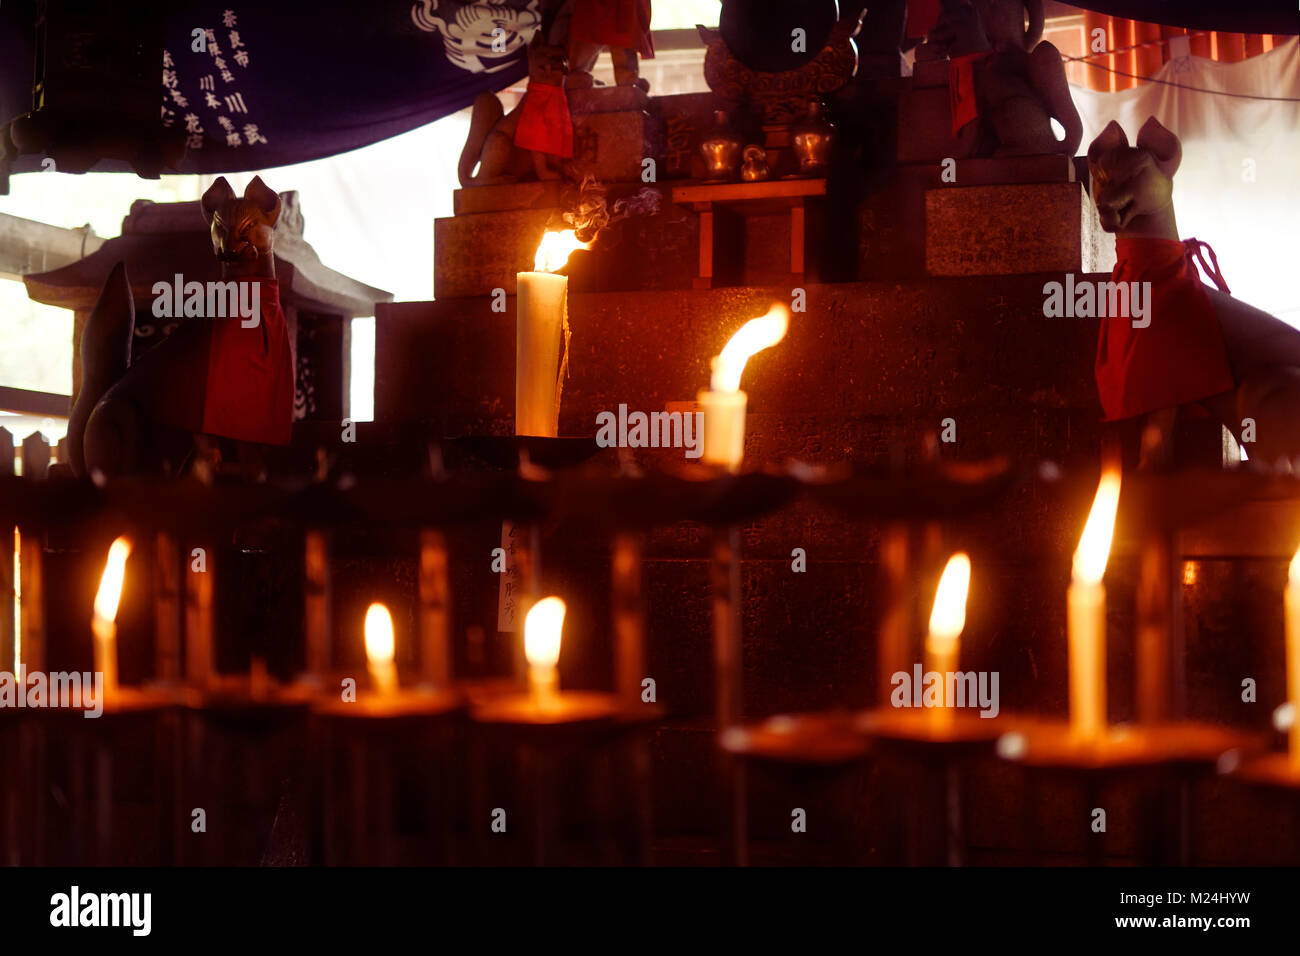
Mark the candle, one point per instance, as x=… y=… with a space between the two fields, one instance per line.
x=1087 y=613
x=723 y=403
x=104 y=620
x=542 y=634
x=380 y=650
x=947 y=619
x=1292 y=604
x=541 y=325
x=17 y=596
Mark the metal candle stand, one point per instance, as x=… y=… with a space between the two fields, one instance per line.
x=244 y=734
x=818 y=747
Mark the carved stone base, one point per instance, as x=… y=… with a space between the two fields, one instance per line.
x=607 y=99
x=1014 y=230
x=613 y=146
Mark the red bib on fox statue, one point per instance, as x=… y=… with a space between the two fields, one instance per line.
x=248 y=385
x=245 y=389
x=1180 y=356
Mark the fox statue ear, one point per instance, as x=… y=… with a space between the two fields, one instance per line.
x=1034 y=33
x=267 y=199
x=1112 y=137
x=218 y=194
x=1163 y=146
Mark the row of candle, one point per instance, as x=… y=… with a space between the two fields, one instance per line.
x=542 y=634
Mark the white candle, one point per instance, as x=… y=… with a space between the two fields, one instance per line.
x=541 y=328
x=947 y=620
x=1291 y=602
x=380 y=650
x=103 y=623
x=1087 y=614
x=723 y=403
x=543 y=628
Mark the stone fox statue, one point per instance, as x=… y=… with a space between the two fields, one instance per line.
x=220 y=373
x=495 y=144
x=1201 y=345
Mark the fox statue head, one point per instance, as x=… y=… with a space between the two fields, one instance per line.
x=1133 y=186
x=243 y=229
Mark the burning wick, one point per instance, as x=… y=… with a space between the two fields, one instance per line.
x=542 y=634
x=947 y=620
x=724 y=403
x=103 y=623
x=1087 y=613
x=380 y=650
x=555 y=248
x=1292 y=602
x=542 y=335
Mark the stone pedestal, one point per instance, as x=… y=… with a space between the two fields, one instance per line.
x=1010 y=230
x=612 y=146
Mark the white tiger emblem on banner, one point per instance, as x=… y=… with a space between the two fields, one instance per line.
x=473 y=33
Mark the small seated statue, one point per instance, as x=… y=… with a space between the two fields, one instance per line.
x=1003 y=77
x=590 y=26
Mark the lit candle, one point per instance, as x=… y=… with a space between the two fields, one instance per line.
x=947 y=619
x=723 y=403
x=103 y=622
x=542 y=632
x=1087 y=613
x=1292 y=603
x=541 y=330
x=380 y=650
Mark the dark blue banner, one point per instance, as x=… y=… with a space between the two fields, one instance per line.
x=271 y=82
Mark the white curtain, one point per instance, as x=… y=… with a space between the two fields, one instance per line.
x=1239 y=184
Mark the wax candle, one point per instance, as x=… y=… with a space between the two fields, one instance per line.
x=542 y=634
x=723 y=403
x=104 y=619
x=541 y=332
x=947 y=619
x=1087 y=613
x=1292 y=604
x=380 y=650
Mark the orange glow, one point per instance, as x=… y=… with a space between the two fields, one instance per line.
x=1293 y=575
x=380 y=644
x=948 y=617
x=381 y=647
x=754 y=336
x=1094 y=545
x=555 y=248
x=542 y=633
x=110 y=585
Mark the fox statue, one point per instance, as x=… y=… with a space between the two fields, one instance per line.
x=220 y=375
x=1202 y=346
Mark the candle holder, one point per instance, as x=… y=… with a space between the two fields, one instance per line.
x=820 y=757
x=245 y=765
x=1156 y=761
x=523 y=754
x=392 y=773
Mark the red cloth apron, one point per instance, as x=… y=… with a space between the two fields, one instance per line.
x=544 y=121
x=624 y=24
x=961 y=89
x=1180 y=357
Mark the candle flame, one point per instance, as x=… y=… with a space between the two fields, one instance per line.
x=542 y=629
x=948 y=617
x=754 y=336
x=380 y=644
x=110 y=584
x=1094 y=546
x=1293 y=575
x=555 y=248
